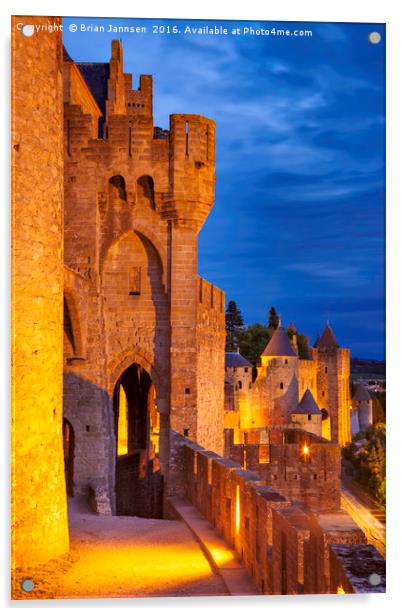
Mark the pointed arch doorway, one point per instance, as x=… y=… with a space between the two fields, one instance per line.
x=139 y=481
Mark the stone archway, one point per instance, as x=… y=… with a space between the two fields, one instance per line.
x=139 y=481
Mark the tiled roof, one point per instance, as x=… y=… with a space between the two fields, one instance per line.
x=279 y=345
x=96 y=75
x=327 y=338
x=307 y=405
x=235 y=360
x=361 y=394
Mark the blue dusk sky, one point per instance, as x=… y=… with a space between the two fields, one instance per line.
x=299 y=214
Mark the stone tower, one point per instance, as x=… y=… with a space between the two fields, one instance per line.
x=39 y=507
x=278 y=378
x=144 y=331
x=238 y=383
x=307 y=415
x=333 y=393
x=361 y=413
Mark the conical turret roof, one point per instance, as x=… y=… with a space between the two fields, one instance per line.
x=308 y=405
x=327 y=338
x=361 y=394
x=235 y=360
x=292 y=327
x=279 y=345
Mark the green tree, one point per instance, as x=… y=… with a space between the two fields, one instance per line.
x=273 y=318
x=366 y=458
x=252 y=341
x=234 y=324
x=379 y=406
x=303 y=345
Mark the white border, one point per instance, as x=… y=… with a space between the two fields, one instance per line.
x=289 y=10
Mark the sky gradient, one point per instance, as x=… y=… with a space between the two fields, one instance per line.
x=299 y=215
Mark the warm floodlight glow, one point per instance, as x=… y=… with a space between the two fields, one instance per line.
x=306 y=449
x=237 y=509
x=122 y=428
x=340 y=591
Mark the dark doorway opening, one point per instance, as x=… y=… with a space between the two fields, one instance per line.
x=139 y=481
x=68 y=447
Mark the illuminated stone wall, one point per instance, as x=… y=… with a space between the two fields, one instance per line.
x=333 y=390
x=281 y=384
x=135 y=199
x=39 y=514
x=329 y=528
x=308 y=376
x=291 y=533
x=276 y=391
x=312 y=479
x=210 y=365
x=285 y=548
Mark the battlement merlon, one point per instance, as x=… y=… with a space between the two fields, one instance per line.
x=121 y=98
x=211 y=299
x=191 y=168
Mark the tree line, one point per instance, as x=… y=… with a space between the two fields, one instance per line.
x=251 y=340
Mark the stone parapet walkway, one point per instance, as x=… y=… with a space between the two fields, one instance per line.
x=222 y=558
x=116 y=556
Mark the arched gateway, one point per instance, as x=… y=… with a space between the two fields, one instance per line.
x=139 y=482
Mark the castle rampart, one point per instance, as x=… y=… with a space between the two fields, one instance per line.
x=39 y=507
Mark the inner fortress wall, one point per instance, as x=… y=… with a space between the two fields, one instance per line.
x=39 y=508
x=210 y=365
x=135 y=199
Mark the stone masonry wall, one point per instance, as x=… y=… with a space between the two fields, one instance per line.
x=211 y=336
x=333 y=391
x=39 y=516
x=284 y=548
x=276 y=391
x=352 y=568
x=326 y=529
x=307 y=377
x=312 y=479
x=135 y=201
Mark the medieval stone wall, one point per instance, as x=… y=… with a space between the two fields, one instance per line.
x=285 y=549
x=331 y=528
x=351 y=567
x=312 y=478
x=39 y=515
x=211 y=337
x=276 y=391
x=307 y=377
x=281 y=383
x=135 y=201
x=333 y=390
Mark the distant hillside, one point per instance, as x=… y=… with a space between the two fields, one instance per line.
x=367 y=368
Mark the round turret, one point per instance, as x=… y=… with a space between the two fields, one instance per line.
x=307 y=415
x=362 y=405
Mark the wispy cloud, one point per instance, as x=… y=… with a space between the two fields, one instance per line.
x=299 y=207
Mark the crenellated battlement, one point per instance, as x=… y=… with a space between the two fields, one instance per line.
x=109 y=125
x=210 y=298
